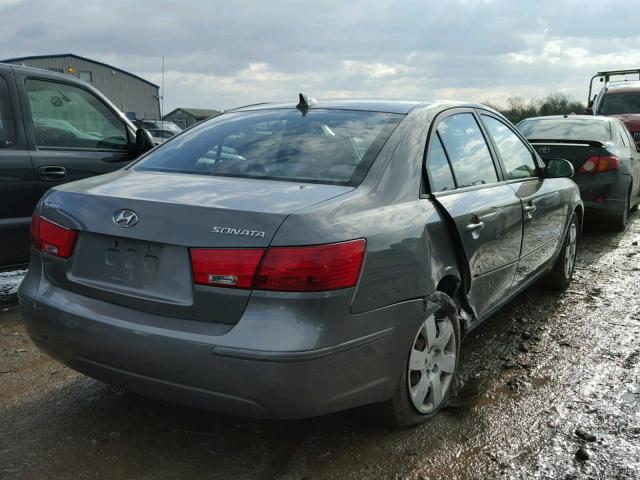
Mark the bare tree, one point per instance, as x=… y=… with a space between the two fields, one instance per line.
x=555 y=103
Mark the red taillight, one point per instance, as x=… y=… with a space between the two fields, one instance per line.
x=287 y=269
x=225 y=267
x=599 y=164
x=311 y=269
x=52 y=238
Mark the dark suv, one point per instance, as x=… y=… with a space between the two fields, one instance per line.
x=53 y=129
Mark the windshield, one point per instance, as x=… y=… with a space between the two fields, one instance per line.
x=566 y=129
x=317 y=146
x=620 y=104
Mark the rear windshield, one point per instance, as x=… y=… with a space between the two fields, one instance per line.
x=619 y=104
x=566 y=129
x=317 y=146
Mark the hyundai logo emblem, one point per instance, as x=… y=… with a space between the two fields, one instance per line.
x=125 y=218
x=544 y=150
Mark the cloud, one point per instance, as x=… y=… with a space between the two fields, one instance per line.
x=220 y=55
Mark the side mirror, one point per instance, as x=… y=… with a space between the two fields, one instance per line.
x=559 y=168
x=144 y=141
x=638 y=146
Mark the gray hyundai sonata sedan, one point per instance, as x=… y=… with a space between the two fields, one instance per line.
x=290 y=260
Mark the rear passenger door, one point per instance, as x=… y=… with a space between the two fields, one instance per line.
x=17 y=198
x=72 y=133
x=543 y=204
x=481 y=207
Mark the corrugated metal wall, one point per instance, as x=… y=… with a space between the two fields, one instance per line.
x=128 y=93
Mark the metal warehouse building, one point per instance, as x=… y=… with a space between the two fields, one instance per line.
x=136 y=97
x=185 y=117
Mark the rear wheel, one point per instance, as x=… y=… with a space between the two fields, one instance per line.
x=562 y=273
x=427 y=377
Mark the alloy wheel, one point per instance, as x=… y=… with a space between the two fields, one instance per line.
x=570 y=251
x=431 y=363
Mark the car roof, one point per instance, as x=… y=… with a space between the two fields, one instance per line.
x=375 y=105
x=596 y=118
x=44 y=72
x=627 y=86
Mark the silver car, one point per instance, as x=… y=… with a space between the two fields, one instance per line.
x=290 y=260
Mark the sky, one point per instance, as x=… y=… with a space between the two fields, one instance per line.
x=222 y=54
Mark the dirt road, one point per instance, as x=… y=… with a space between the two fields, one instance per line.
x=549 y=388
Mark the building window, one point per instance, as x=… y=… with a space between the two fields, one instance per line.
x=57 y=70
x=85 y=76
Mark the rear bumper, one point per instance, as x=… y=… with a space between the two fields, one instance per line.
x=233 y=369
x=603 y=194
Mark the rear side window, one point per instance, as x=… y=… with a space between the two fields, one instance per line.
x=65 y=116
x=516 y=157
x=7 y=129
x=317 y=146
x=623 y=135
x=467 y=149
x=566 y=129
x=438 y=168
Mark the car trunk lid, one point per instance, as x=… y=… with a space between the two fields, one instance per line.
x=147 y=265
x=575 y=151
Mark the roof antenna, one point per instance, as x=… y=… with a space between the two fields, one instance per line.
x=306 y=101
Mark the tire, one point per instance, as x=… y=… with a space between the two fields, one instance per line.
x=417 y=397
x=619 y=222
x=562 y=273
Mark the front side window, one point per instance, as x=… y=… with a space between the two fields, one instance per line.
x=65 y=116
x=467 y=149
x=438 y=168
x=7 y=129
x=317 y=146
x=516 y=157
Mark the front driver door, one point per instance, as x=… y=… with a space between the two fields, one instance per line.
x=16 y=178
x=543 y=205
x=72 y=133
x=483 y=209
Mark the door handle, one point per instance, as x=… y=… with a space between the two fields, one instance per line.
x=52 y=172
x=530 y=208
x=472 y=227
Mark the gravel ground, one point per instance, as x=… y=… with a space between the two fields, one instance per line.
x=9 y=283
x=548 y=388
